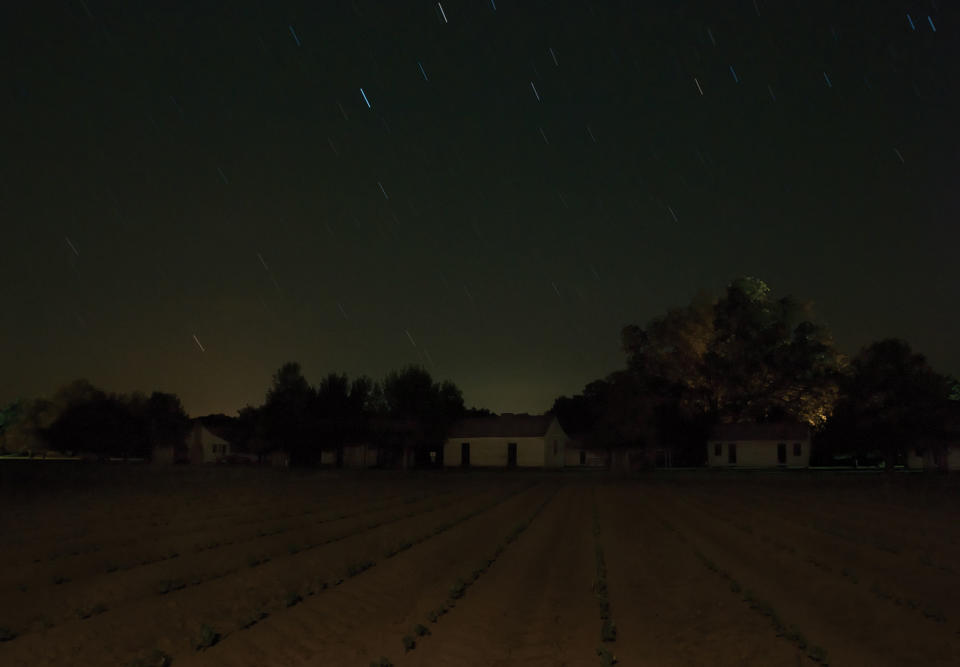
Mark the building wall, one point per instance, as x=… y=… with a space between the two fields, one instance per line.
x=555 y=446
x=930 y=460
x=493 y=451
x=204 y=446
x=953 y=458
x=758 y=454
x=593 y=458
x=914 y=461
x=359 y=455
x=163 y=455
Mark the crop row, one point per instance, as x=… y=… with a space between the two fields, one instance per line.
x=461 y=584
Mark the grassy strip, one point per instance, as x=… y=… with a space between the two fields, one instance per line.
x=461 y=584
x=608 y=629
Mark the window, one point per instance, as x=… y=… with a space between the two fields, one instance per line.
x=554 y=446
x=718 y=449
x=732 y=453
x=796 y=449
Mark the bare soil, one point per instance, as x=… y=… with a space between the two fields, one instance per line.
x=103 y=565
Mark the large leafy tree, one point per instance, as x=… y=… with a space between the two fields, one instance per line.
x=891 y=400
x=741 y=357
x=166 y=420
x=289 y=419
x=107 y=425
x=412 y=394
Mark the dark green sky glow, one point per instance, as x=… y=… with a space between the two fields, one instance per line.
x=553 y=172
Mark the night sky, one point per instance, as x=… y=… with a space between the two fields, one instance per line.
x=192 y=193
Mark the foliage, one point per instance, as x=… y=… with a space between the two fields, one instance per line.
x=743 y=356
x=103 y=425
x=411 y=394
x=891 y=400
x=288 y=421
x=407 y=411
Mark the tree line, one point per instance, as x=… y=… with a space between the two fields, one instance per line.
x=81 y=418
x=407 y=410
x=740 y=356
x=744 y=356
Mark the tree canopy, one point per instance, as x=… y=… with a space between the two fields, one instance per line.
x=890 y=401
x=741 y=357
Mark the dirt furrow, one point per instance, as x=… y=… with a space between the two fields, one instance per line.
x=839 y=616
x=891 y=576
x=534 y=606
x=367 y=616
x=226 y=601
x=41 y=607
x=669 y=610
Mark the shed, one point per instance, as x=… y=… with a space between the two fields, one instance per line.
x=581 y=454
x=206 y=446
x=753 y=445
x=940 y=452
x=506 y=441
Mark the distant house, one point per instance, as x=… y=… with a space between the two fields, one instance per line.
x=360 y=455
x=944 y=457
x=277 y=458
x=580 y=453
x=507 y=441
x=939 y=453
x=205 y=445
x=164 y=455
x=750 y=445
x=351 y=455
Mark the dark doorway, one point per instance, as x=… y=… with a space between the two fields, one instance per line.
x=511 y=455
x=583 y=458
x=465 y=454
x=732 y=453
x=782 y=453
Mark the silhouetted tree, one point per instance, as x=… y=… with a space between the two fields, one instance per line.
x=289 y=417
x=742 y=357
x=412 y=394
x=167 y=422
x=8 y=417
x=102 y=425
x=891 y=400
x=251 y=430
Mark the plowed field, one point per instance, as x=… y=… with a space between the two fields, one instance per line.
x=128 y=566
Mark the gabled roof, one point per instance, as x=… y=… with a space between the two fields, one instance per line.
x=215 y=428
x=504 y=426
x=752 y=431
